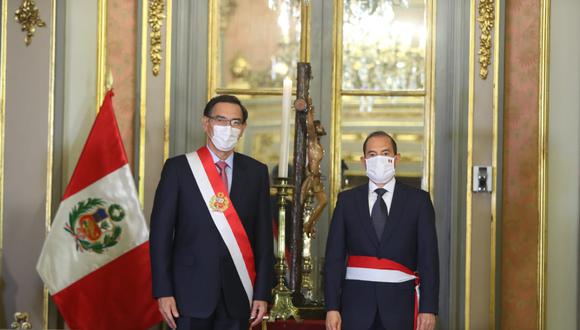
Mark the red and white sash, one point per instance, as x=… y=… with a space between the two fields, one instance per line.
x=373 y=269
x=224 y=216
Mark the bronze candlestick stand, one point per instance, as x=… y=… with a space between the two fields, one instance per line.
x=283 y=307
x=307 y=280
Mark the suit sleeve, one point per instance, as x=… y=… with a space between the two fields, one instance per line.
x=428 y=257
x=335 y=261
x=264 y=249
x=163 y=218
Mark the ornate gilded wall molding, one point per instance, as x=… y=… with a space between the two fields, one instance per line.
x=28 y=16
x=156 y=16
x=486 y=21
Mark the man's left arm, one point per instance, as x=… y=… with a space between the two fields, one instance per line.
x=263 y=242
x=428 y=257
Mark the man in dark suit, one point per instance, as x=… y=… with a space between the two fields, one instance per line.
x=382 y=250
x=211 y=230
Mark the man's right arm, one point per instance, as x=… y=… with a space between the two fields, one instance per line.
x=162 y=226
x=335 y=260
x=168 y=309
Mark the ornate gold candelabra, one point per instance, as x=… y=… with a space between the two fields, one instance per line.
x=21 y=321
x=283 y=307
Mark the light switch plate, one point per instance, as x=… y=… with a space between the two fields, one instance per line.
x=482 y=178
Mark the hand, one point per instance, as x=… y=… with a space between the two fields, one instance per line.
x=333 y=320
x=426 y=321
x=168 y=309
x=259 y=308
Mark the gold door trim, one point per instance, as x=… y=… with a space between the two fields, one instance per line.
x=494 y=163
x=543 y=90
x=143 y=101
x=430 y=97
x=469 y=194
x=212 y=40
x=167 y=103
x=335 y=118
x=3 y=51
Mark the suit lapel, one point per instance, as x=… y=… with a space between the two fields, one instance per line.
x=363 y=204
x=238 y=180
x=395 y=212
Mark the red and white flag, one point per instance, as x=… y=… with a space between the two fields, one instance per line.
x=95 y=260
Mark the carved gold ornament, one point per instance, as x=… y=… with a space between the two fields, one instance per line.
x=486 y=19
x=156 y=16
x=29 y=18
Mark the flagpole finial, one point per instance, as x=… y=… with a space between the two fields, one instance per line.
x=109 y=81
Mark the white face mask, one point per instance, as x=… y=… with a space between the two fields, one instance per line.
x=225 y=138
x=380 y=169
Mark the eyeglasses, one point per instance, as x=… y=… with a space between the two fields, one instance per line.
x=223 y=121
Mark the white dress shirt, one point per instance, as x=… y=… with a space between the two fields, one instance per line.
x=387 y=197
x=229 y=168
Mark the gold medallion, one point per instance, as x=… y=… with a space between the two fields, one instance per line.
x=219 y=202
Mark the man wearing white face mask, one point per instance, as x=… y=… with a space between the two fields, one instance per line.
x=211 y=231
x=382 y=265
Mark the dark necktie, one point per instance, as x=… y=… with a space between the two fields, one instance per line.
x=379 y=213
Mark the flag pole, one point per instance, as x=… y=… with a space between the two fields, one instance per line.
x=110 y=80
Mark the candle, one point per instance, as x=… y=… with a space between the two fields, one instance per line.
x=285 y=130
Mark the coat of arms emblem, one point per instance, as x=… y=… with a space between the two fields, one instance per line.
x=95 y=224
x=219 y=202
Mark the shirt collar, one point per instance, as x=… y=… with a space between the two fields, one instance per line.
x=229 y=160
x=390 y=186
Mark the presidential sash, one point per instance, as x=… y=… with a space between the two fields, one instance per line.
x=373 y=269
x=224 y=216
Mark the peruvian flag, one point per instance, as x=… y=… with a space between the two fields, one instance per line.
x=95 y=260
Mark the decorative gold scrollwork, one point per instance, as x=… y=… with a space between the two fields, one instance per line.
x=486 y=21
x=156 y=16
x=28 y=16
